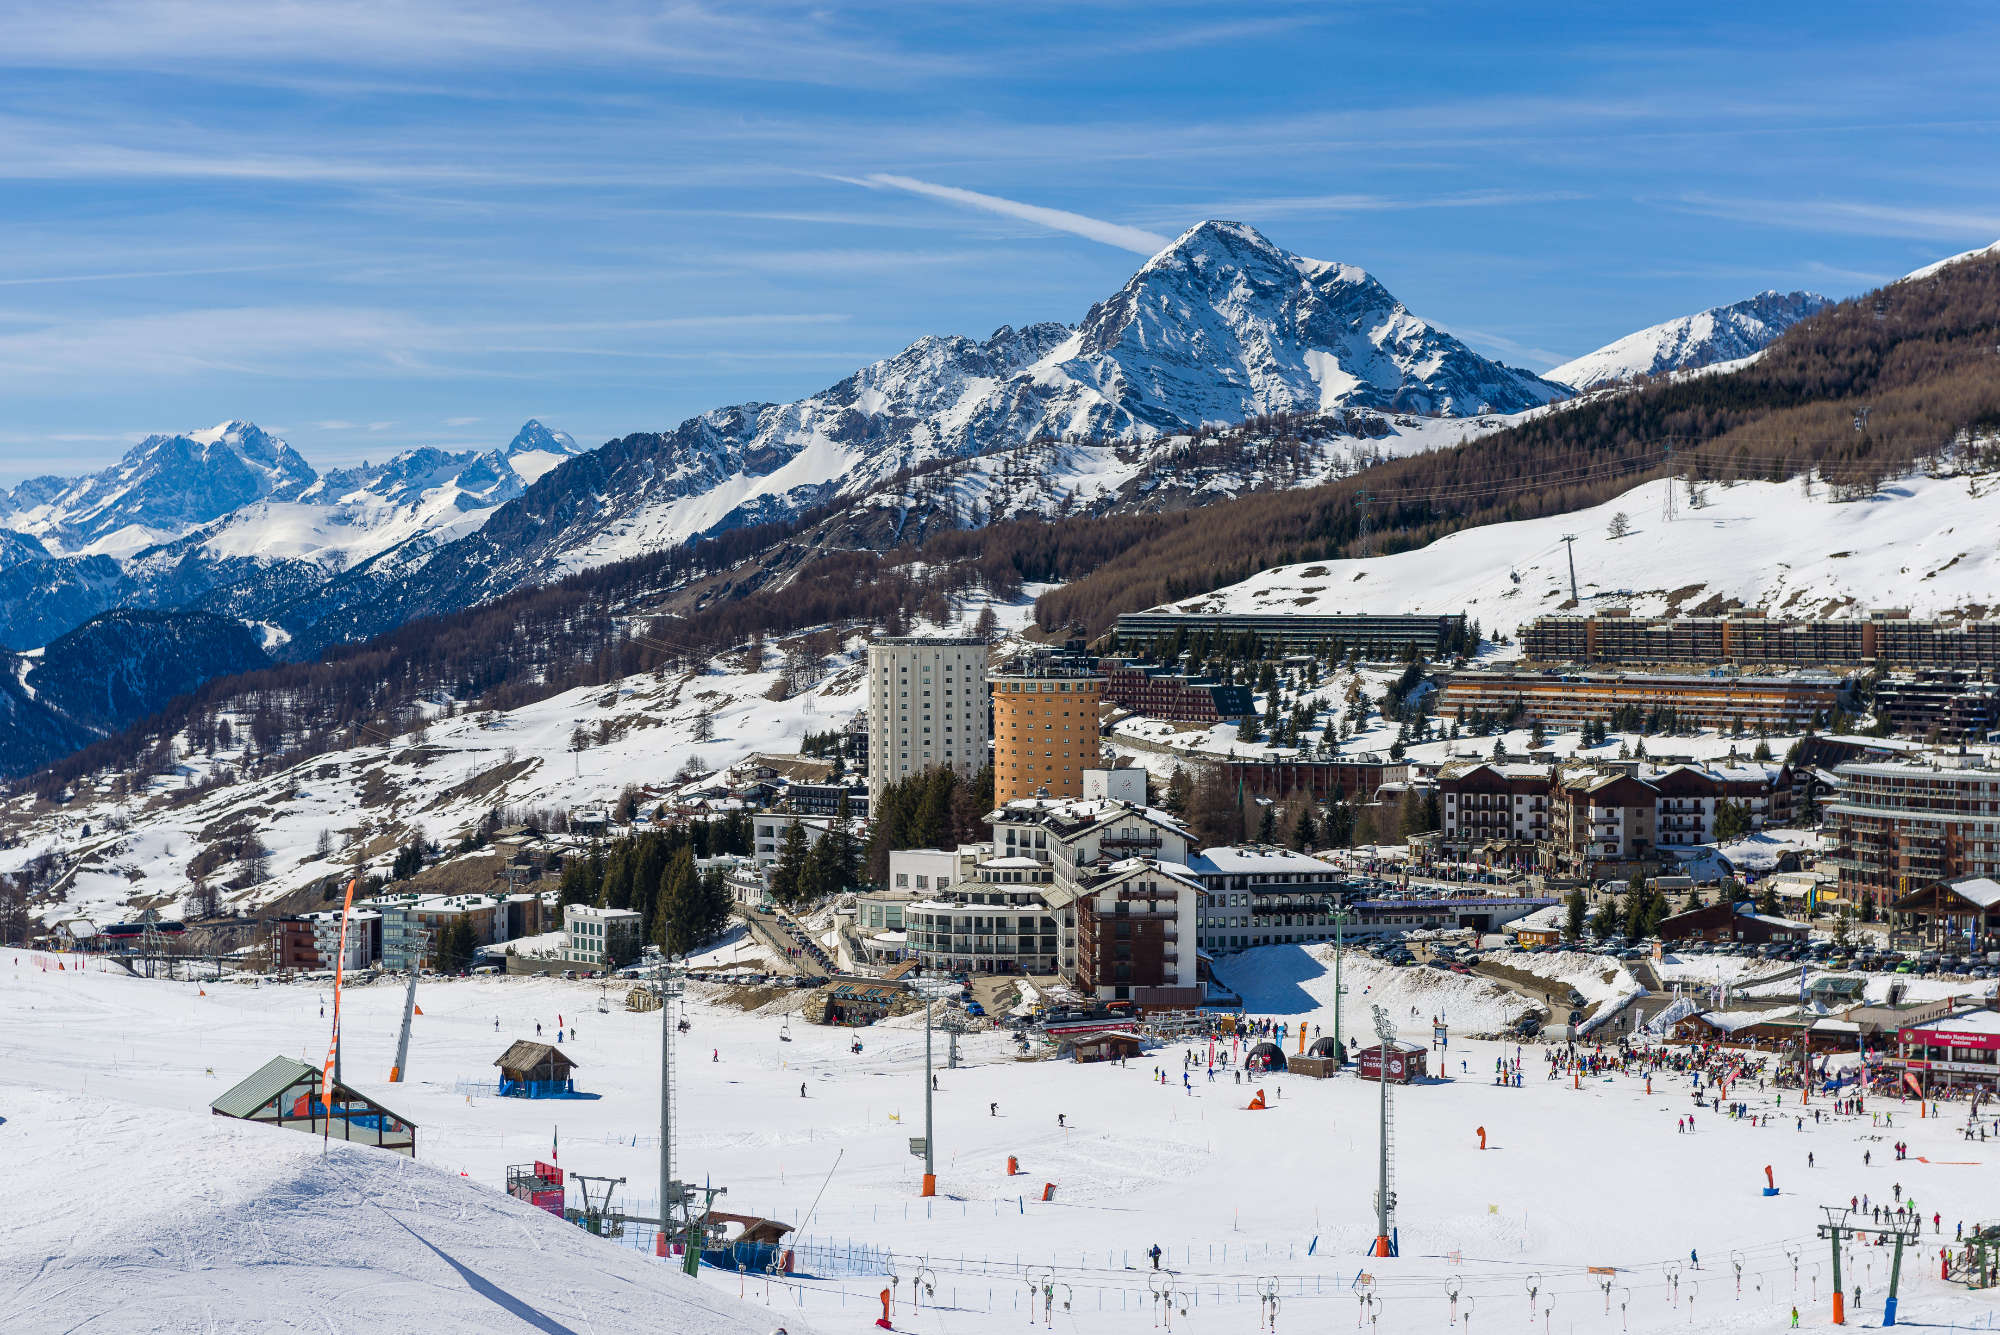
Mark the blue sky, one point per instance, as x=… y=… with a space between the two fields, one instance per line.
x=373 y=225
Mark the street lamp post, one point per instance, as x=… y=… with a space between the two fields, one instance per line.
x=1384 y=1202
x=930 y=991
x=930 y=1129
x=1339 y=949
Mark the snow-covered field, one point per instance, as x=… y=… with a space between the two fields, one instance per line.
x=1297 y=983
x=1924 y=543
x=122 y=1184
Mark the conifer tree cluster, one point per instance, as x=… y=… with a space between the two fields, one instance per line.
x=934 y=809
x=654 y=873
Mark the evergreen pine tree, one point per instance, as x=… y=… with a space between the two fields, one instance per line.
x=1304 y=834
x=788 y=874
x=675 y=920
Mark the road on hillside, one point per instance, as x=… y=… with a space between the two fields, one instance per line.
x=778 y=936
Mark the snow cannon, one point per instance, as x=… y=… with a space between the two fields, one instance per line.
x=1482 y=1137
x=1770 y=1182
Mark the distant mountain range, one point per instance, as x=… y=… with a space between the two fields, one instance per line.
x=235 y=517
x=1718 y=334
x=1220 y=328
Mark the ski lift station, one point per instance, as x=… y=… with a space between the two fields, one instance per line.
x=285 y=1092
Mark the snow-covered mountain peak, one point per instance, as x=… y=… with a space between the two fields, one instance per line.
x=1218 y=244
x=533 y=435
x=536 y=449
x=1223 y=324
x=1719 y=334
x=162 y=487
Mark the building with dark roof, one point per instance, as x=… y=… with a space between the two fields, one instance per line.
x=1173 y=693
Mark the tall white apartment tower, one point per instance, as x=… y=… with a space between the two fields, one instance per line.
x=927 y=706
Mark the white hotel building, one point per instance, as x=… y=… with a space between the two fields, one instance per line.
x=927 y=706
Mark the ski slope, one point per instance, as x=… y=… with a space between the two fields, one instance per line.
x=121 y=1183
x=1931 y=544
x=195 y=1223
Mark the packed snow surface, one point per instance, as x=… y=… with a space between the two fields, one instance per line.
x=214 y=1225
x=135 y=1210
x=1925 y=543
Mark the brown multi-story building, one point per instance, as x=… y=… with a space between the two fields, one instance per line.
x=293 y=944
x=1045 y=726
x=1495 y=800
x=1170 y=693
x=1512 y=800
x=1781 y=703
x=1602 y=817
x=1137 y=923
x=1903 y=826
x=1951 y=705
x=1888 y=638
x=1349 y=780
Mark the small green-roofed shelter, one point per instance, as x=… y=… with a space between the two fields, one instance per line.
x=284 y=1091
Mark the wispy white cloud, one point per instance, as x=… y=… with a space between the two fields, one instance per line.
x=1058 y=220
x=138 y=275
x=1853 y=217
x=324 y=342
x=1509 y=348
x=777 y=44
x=1255 y=209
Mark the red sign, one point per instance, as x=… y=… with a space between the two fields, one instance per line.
x=1950 y=1038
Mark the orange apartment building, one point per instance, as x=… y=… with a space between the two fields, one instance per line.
x=1045 y=726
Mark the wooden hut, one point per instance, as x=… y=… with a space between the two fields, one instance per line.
x=1105 y=1045
x=535 y=1070
x=286 y=1092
